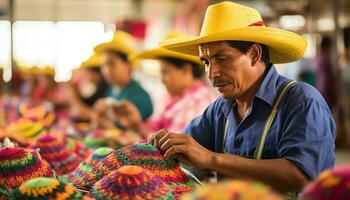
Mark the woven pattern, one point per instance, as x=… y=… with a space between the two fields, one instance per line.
x=46 y=188
x=26 y=130
x=96 y=139
x=131 y=182
x=331 y=184
x=148 y=157
x=82 y=174
x=39 y=113
x=233 y=190
x=78 y=148
x=54 y=151
x=18 y=165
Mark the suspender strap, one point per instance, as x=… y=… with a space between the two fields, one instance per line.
x=260 y=148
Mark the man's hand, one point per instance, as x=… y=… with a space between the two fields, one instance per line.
x=182 y=147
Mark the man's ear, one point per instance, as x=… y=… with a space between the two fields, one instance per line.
x=255 y=52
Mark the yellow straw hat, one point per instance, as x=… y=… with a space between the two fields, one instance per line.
x=93 y=61
x=122 y=42
x=229 y=21
x=38 y=70
x=161 y=52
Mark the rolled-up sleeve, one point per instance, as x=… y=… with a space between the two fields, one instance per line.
x=308 y=137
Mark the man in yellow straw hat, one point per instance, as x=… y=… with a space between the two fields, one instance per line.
x=117 y=70
x=264 y=127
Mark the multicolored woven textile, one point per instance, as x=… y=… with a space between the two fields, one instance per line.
x=233 y=190
x=96 y=139
x=78 y=148
x=148 y=157
x=46 y=188
x=332 y=184
x=82 y=174
x=54 y=151
x=26 y=130
x=131 y=182
x=18 y=165
x=38 y=113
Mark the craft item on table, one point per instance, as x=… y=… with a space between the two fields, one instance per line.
x=149 y=157
x=38 y=113
x=46 y=189
x=100 y=138
x=54 y=151
x=26 y=130
x=18 y=165
x=232 y=190
x=82 y=174
x=131 y=182
x=331 y=184
x=78 y=148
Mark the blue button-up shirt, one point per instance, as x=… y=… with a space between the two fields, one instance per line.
x=303 y=130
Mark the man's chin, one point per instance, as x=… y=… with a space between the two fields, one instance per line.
x=227 y=96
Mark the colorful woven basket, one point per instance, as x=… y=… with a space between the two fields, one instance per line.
x=233 y=190
x=54 y=151
x=46 y=188
x=18 y=165
x=331 y=184
x=82 y=174
x=148 y=157
x=131 y=182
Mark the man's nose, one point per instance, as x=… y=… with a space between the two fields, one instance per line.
x=213 y=70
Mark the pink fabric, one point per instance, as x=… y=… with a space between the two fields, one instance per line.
x=180 y=110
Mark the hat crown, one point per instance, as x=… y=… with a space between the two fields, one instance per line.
x=174 y=34
x=125 y=38
x=227 y=16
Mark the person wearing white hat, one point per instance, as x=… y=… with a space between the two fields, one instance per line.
x=264 y=126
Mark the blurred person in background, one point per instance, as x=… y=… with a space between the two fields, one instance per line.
x=187 y=98
x=117 y=71
x=327 y=79
x=87 y=86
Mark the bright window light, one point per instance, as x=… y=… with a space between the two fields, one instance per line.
x=292 y=22
x=75 y=43
x=34 y=43
x=5 y=48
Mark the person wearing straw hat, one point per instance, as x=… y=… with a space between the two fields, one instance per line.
x=188 y=96
x=117 y=70
x=264 y=126
x=86 y=88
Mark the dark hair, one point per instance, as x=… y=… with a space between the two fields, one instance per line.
x=94 y=69
x=244 y=46
x=326 y=43
x=197 y=70
x=120 y=55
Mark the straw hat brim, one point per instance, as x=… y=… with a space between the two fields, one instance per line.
x=284 y=46
x=114 y=46
x=157 y=53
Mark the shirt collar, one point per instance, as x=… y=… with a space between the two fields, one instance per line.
x=266 y=91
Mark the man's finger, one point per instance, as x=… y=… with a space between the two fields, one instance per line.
x=159 y=136
x=176 y=149
x=172 y=142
